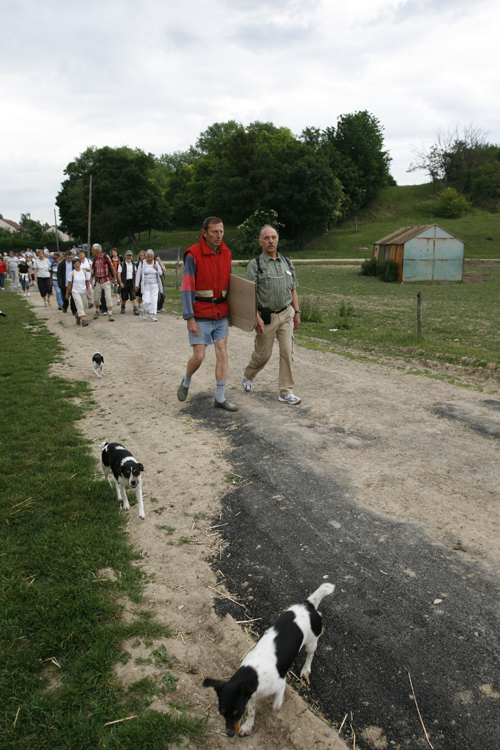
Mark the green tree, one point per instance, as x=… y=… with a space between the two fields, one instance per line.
x=266 y=168
x=128 y=194
x=355 y=152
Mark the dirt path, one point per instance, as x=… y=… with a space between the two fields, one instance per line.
x=408 y=447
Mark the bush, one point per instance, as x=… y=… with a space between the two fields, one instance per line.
x=369 y=267
x=387 y=270
x=451 y=204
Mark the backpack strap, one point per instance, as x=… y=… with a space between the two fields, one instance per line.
x=281 y=256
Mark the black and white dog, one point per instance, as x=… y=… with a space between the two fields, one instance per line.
x=98 y=363
x=263 y=670
x=126 y=470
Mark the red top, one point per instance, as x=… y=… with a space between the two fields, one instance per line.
x=206 y=275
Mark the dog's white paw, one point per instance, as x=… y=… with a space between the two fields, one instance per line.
x=305 y=675
x=245 y=730
x=278 y=702
x=143 y=516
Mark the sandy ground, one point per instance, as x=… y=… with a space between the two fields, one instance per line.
x=413 y=448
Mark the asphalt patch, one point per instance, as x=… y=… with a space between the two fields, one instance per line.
x=404 y=609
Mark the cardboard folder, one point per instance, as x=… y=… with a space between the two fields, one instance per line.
x=242 y=300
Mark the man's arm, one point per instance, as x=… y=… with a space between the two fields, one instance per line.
x=188 y=287
x=295 y=305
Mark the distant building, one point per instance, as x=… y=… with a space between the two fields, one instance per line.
x=10 y=226
x=62 y=236
x=426 y=253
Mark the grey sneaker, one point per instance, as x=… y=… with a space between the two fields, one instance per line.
x=182 y=391
x=290 y=398
x=246 y=383
x=227 y=405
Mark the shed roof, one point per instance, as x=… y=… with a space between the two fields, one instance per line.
x=400 y=236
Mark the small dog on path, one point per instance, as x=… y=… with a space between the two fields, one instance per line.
x=263 y=670
x=98 y=364
x=126 y=471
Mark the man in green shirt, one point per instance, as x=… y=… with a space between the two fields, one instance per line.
x=278 y=313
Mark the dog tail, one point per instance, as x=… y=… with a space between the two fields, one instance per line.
x=103 y=444
x=324 y=590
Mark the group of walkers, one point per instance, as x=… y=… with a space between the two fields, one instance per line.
x=80 y=283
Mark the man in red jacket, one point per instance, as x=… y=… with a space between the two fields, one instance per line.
x=205 y=281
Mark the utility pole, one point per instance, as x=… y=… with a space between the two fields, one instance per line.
x=90 y=215
x=57 y=235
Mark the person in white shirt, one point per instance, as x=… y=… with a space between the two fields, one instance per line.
x=42 y=268
x=126 y=277
x=86 y=265
x=78 y=286
x=148 y=278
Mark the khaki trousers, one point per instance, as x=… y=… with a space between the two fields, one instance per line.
x=280 y=327
x=107 y=294
x=78 y=300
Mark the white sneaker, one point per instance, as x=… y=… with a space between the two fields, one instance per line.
x=246 y=383
x=144 y=314
x=290 y=398
x=153 y=319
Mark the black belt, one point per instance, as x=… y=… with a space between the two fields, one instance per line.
x=215 y=301
x=275 y=312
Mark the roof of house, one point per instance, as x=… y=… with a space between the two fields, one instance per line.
x=13 y=224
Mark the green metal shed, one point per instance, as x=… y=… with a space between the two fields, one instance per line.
x=425 y=253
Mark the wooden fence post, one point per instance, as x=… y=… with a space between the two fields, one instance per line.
x=419 y=315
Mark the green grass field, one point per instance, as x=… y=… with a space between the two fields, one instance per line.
x=400 y=206
x=460 y=320
x=61 y=629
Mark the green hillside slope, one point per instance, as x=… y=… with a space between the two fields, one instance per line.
x=396 y=207
x=403 y=206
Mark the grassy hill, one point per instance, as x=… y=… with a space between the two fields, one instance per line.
x=400 y=206
x=404 y=206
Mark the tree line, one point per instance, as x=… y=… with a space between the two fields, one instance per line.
x=462 y=161
x=310 y=182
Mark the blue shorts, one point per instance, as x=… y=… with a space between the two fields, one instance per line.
x=210 y=331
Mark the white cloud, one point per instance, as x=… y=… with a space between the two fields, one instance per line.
x=154 y=75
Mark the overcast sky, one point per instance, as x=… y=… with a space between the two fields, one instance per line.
x=153 y=74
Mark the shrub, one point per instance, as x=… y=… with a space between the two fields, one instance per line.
x=451 y=204
x=387 y=270
x=369 y=267
x=247 y=240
